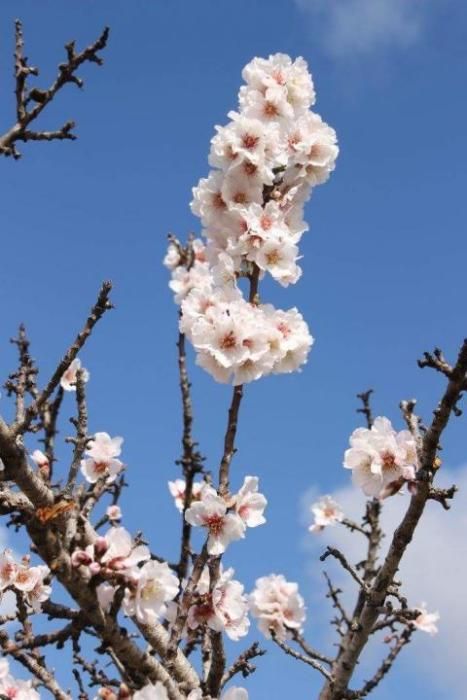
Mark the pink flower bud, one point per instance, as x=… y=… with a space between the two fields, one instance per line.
x=100 y=546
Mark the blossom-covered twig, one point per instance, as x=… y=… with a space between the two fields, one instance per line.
x=357 y=638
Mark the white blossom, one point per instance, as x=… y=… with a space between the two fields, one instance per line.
x=102 y=458
x=12 y=687
x=326 y=512
x=41 y=591
x=265 y=162
x=425 y=621
x=42 y=462
x=156 y=584
x=380 y=456
x=211 y=512
x=177 y=489
x=122 y=553
x=222 y=607
x=249 y=504
x=105 y=595
x=68 y=380
x=8 y=569
x=114 y=513
x=151 y=692
x=277 y=606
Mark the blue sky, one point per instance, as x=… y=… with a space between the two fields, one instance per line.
x=384 y=262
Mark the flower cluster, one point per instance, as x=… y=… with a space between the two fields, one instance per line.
x=326 y=512
x=265 y=162
x=25 y=579
x=12 y=687
x=149 y=585
x=240 y=342
x=381 y=459
x=278 y=606
x=227 y=520
x=223 y=607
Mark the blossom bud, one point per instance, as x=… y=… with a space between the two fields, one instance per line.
x=100 y=546
x=94 y=567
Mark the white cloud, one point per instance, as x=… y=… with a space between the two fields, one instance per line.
x=355 y=27
x=434 y=571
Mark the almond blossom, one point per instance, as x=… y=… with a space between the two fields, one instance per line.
x=155 y=585
x=29 y=580
x=102 y=458
x=425 y=621
x=277 y=606
x=68 y=380
x=114 y=513
x=8 y=569
x=211 y=512
x=326 y=512
x=42 y=462
x=12 y=687
x=222 y=607
x=177 y=489
x=380 y=456
x=265 y=162
x=249 y=504
x=151 y=692
x=122 y=553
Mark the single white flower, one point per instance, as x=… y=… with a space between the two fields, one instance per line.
x=156 y=585
x=102 y=458
x=177 y=489
x=113 y=513
x=122 y=553
x=425 y=621
x=8 y=569
x=211 y=512
x=277 y=606
x=249 y=504
x=326 y=512
x=380 y=456
x=68 y=380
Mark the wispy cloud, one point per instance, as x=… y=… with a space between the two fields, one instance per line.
x=434 y=571
x=357 y=27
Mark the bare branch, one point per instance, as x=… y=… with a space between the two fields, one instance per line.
x=366 y=410
x=334 y=552
x=102 y=305
x=30 y=103
x=302 y=657
x=242 y=664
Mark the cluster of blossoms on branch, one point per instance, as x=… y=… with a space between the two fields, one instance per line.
x=27 y=581
x=225 y=519
x=381 y=459
x=265 y=162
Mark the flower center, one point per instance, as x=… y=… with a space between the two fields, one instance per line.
x=215 y=523
x=228 y=341
x=250 y=141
